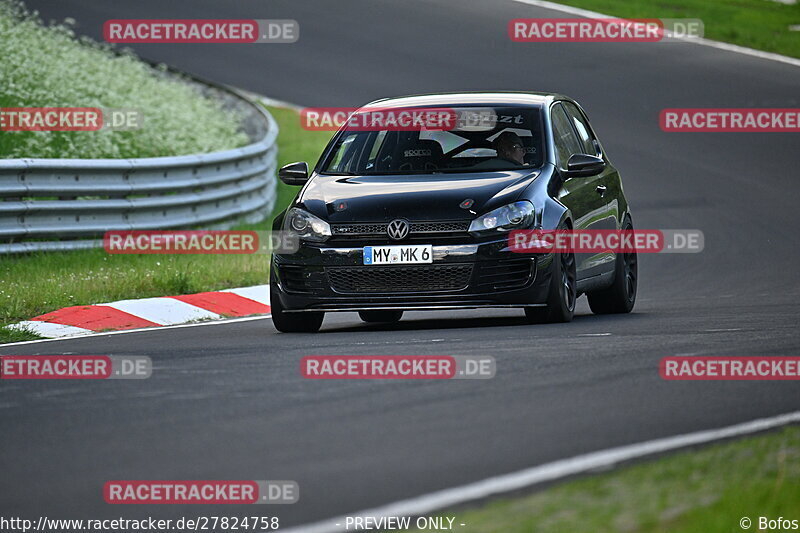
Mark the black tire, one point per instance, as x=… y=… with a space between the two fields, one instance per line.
x=381 y=315
x=621 y=295
x=562 y=293
x=308 y=322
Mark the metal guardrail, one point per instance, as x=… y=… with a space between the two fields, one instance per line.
x=97 y=195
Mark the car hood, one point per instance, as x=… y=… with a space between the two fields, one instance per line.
x=415 y=197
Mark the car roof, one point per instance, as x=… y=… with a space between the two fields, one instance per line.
x=511 y=98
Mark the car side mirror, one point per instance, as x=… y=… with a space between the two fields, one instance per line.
x=584 y=165
x=294 y=173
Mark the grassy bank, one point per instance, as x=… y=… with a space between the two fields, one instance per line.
x=759 y=24
x=49 y=66
x=33 y=284
x=708 y=490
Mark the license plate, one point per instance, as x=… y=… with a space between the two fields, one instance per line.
x=398 y=255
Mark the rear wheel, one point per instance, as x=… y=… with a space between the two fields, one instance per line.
x=306 y=322
x=562 y=293
x=621 y=295
x=380 y=315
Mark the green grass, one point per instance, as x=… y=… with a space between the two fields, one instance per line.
x=759 y=24
x=49 y=66
x=707 y=490
x=34 y=284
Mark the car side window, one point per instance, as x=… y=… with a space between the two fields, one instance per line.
x=564 y=136
x=344 y=154
x=376 y=145
x=583 y=129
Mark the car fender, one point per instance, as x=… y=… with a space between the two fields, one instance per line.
x=550 y=213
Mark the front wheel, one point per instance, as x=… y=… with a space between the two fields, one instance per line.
x=306 y=322
x=562 y=293
x=621 y=295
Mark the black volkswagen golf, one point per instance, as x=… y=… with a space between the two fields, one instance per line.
x=396 y=219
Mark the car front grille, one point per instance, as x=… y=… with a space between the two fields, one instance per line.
x=358 y=229
x=376 y=232
x=390 y=279
x=439 y=227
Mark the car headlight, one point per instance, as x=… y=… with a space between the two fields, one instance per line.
x=306 y=226
x=518 y=215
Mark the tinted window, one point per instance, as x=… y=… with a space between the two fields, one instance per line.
x=344 y=152
x=583 y=129
x=468 y=147
x=566 y=142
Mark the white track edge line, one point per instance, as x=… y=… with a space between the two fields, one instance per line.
x=702 y=41
x=548 y=472
x=140 y=330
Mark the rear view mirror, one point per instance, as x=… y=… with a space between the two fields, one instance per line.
x=583 y=165
x=294 y=173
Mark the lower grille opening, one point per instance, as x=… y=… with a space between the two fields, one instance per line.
x=299 y=279
x=399 y=278
x=505 y=274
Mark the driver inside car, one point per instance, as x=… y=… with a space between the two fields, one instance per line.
x=510 y=152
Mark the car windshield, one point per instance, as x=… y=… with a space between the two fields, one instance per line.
x=479 y=139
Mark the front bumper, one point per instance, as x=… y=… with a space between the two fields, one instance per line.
x=462 y=276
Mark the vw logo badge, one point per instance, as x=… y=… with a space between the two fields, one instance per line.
x=398 y=229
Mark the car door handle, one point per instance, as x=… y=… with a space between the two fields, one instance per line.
x=601 y=189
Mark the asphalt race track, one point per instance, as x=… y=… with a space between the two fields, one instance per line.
x=227 y=401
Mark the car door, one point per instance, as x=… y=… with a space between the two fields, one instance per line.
x=584 y=196
x=609 y=184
